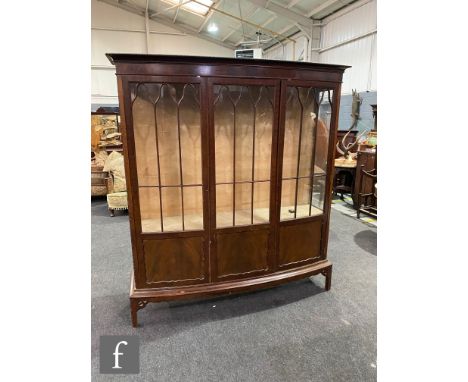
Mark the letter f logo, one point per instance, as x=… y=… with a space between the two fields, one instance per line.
x=116 y=354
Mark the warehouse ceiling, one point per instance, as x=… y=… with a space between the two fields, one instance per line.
x=236 y=23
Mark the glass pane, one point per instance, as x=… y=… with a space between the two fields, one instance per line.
x=224 y=134
x=145 y=138
x=303 y=197
x=167 y=130
x=224 y=205
x=287 y=199
x=149 y=209
x=168 y=136
x=261 y=213
x=190 y=135
x=243 y=138
x=291 y=133
x=243 y=203
x=307 y=96
x=318 y=195
x=305 y=152
x=193 y=208
x=263 y=134
x=244 y=118
x=172 y=209
x=323 y=130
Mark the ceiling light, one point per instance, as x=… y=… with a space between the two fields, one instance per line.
x=200 y=7
x=212 y=28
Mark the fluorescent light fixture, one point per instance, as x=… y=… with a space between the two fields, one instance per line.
x=201 y=7
x=212 y=28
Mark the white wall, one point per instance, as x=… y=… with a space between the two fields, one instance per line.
x=164 y=41
x=351 y=23
x=301 y=47
x=359 y=19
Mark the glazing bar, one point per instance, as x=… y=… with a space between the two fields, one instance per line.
x=253 y=166
x=298 y=155
x=180 y=165
x=317 y=102
x=234 y=170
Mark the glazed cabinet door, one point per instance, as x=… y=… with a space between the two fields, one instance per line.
x=304 y=172
x=243 y=144
x=165 y=137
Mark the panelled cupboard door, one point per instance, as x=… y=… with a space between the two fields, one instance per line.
x=243 y=116
x=302 y=169
x=170 y=186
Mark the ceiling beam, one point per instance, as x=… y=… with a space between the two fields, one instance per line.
x=283 y=12
x=274 y=17
x=284 y=30
x=176 y=6
x=229 y=35
x=321 y=7
x=177 y=12
x=209 y=15
x=293 y=3
x=165 y=21
x=256 y=26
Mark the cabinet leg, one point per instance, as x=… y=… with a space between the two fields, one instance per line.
x=111 y=212
x=328 y=276
x=135 y=306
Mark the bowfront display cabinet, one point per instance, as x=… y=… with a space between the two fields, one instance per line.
x=229 y=172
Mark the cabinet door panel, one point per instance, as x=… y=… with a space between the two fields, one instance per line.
x=169 y=183
x=304 y=140
x=241 y=253
x=304 y=152
x=167 y=130
x=244 y=136
x=299 y=242
x=174 y=260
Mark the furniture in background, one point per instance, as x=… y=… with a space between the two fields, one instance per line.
x=345 y=172
x=105 y=130
x=116 y=183
x=374 y=115
x=105 y=138
x=343 y=183
x=367 y=202
x=230 y=172
x=366 y=179
x=98 y=181
x=350 y=138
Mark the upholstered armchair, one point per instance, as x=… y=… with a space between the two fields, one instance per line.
x=116 y=186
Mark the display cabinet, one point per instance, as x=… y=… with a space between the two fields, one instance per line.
x=230 y=169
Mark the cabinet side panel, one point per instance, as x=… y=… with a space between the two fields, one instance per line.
x=130 y=175
x=299 y=242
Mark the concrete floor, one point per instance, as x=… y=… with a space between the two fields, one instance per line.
x=294 y=332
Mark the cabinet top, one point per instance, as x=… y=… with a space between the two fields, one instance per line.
x=116 y=58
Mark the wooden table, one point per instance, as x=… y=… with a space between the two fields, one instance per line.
x=345 y=175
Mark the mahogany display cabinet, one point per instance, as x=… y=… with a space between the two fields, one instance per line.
x=229 y=167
